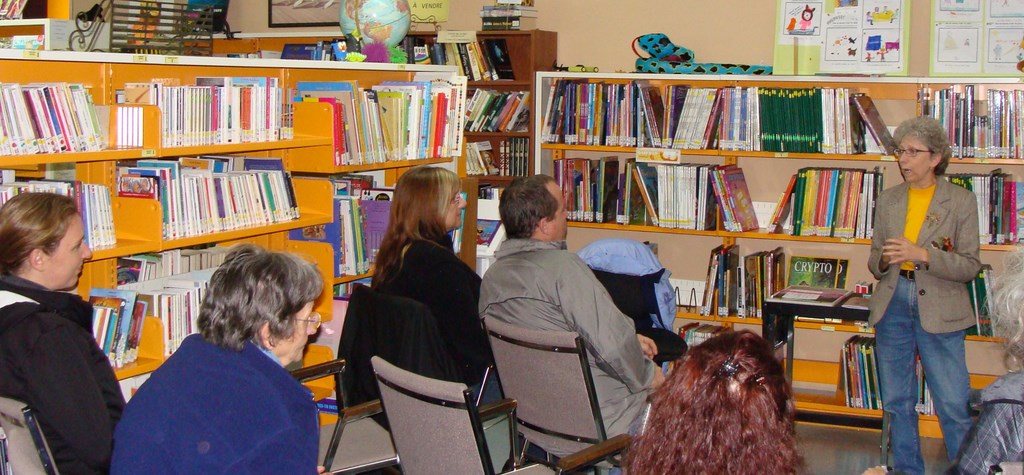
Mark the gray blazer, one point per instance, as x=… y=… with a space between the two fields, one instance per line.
x=942 y=296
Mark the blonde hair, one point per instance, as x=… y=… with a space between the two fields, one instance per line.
x=422 y=197
x=31 y=221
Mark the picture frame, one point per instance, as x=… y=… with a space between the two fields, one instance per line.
x=292 y=13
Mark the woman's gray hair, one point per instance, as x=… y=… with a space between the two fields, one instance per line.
x=1007 y=307
x=929 y=131
x=254 y=287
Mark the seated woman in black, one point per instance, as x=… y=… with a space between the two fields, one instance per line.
x=416 y=260
x=48 y=356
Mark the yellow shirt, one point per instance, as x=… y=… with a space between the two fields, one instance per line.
x=918 y=200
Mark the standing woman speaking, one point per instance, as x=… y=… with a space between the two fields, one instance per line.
x=48 y=356
x=924 y=249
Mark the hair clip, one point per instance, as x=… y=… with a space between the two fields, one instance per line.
x=728 y=369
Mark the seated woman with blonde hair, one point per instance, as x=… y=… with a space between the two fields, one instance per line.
x=724 y=408
x=416 y=261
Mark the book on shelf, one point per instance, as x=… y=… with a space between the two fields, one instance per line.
x=497 y=48
x=806 y=295
x=857 y=302
x=490 y=234
x=783 y=206
x=859 y=373
x=978 y=290
x=818 y=271
x=375 y=214
x=512 y=23
x=634 y=204
x=872 y=120
x=646 y=181
x=113 y=313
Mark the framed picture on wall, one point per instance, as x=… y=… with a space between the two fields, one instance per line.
x=287 y=13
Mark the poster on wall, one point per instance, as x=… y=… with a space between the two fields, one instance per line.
x=842 y=36
x=976 y=37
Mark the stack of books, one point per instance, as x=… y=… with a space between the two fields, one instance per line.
x=508 y=17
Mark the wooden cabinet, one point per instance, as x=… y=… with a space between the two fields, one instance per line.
x=817 y=371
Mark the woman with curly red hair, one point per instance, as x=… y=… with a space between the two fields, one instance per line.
x=725 y=408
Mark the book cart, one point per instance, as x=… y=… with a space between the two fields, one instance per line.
x=309 y=156
x=816 y=369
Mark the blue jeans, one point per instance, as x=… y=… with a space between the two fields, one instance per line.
x=900 y=338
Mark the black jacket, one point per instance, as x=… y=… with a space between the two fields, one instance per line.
x=432 y=274
x=50 y=360
x=398 y=329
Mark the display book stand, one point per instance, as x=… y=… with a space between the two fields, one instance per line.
x=309 y=156
x=815 y=368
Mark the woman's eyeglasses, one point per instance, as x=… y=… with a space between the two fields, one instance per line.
x=911 y=152
x=312 y=323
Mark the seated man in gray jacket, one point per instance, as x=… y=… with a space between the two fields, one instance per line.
x=536 y=283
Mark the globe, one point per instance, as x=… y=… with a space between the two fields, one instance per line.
x=378 y=21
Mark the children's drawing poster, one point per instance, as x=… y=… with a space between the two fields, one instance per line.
x=842 y=36
x=976 y=37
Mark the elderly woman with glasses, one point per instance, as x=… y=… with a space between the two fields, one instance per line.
x=223 y=402
x=925 y=247
x=416 y=261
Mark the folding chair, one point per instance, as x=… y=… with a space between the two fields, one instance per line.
x=356 y=443
x=548 y=374
x=438 y=429
x=27 y=451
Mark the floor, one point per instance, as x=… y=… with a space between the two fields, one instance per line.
x=835 y=450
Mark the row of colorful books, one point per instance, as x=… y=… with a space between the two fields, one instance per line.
x=209 y=194
x=830 y=202
x=12 y=10
x=1000 y=203
x=684 y=196
x=738 y=286
x=361 y=213
x=481 y=159
x=93 y=204
x=982 y=123
x=634 y=114
x=175 y=301
x=48 y=118
x=215 y=110
x=859 y=377
x=498 y=111
x=483 y=60
x=394 y=120
x=117 y=317
x=143 y=267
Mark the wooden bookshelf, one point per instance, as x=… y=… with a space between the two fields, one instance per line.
x=530 y=51
x=685 y=252
x=138 y=224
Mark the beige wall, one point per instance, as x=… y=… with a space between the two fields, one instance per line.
x=599 y=32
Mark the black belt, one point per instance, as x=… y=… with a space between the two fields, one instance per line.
x=908 y=274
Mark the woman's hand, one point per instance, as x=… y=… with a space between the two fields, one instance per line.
x=899 y=250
